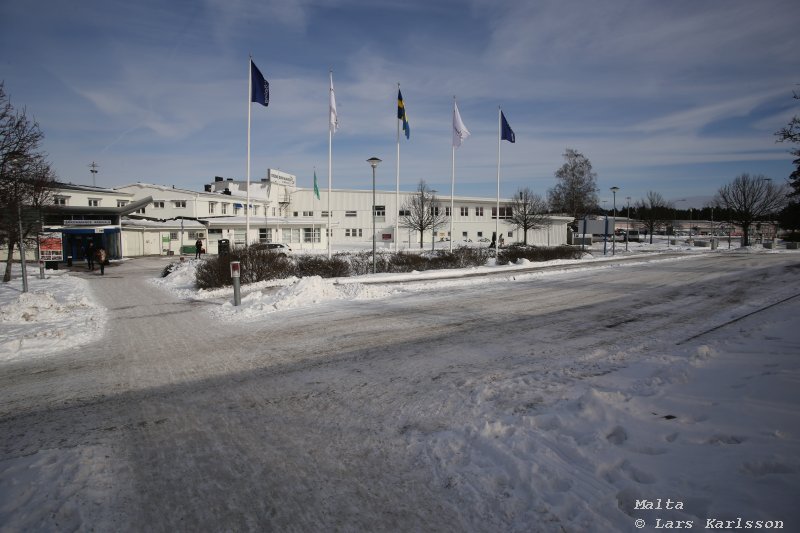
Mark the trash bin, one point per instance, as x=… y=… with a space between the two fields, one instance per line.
x=223 y=246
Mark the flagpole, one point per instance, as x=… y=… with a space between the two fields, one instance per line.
x=249 y=113
x=314 y=208
x=497 y=220
x=452 y=183
x=397 y=189
x=330 y=165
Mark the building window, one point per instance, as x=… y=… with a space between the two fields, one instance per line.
x=295 y=213
x=214 y=231
x=404 y=212
x=239 y=237
x=224 y=208
x=505 y=212
x=478 y=211
x=465 y=211
x=380 y=211
x=353 y=232
x=311 y=235
x=140 y=210
x=173 y=235
x=194 y=235
x=212 y=207
x=324 y=214
x=179 y=204
x=60 y=200
x=264 y=235
x=237 y=209
x=435 y=210
x=158 y=204
x=480 y=234
x=255 y=210
x=350 y=213
x=122 y=203
x=273 y=211
x=308 y=213
x=447 y=211
x=511 y=234
x=94 y=202
x=464 y=235
x=291 y=235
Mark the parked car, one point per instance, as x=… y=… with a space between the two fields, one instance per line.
x=634 y=236
x=277 y=247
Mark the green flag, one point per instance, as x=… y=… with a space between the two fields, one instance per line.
x=316 y=187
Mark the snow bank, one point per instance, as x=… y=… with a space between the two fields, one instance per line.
x=58 y=313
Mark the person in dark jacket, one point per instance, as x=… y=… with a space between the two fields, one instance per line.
x=198 y=248
x=89 y=252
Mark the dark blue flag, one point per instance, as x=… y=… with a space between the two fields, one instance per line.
x=259 y=89
x=506 y=133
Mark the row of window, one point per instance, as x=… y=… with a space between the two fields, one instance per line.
x=238 y=209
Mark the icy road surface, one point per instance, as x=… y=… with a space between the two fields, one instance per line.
x=547 y=403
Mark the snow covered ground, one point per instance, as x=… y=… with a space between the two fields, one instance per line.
x=577 y=396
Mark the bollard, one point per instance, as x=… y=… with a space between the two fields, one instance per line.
x=41 y=269
x=235 y=275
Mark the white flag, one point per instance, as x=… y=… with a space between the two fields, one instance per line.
x=460 y=131
x=334 y=119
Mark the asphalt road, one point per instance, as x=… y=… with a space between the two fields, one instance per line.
x=302 y=420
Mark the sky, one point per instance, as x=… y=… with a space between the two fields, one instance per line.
x=676 y=97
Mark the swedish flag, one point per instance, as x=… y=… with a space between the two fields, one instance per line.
x=401 y=114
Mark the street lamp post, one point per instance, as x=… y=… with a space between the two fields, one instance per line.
x=613 y=232
x=433 y=221
x=373 y=162
x=628 y=222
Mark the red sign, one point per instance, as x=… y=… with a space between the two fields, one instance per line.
x=51 y=247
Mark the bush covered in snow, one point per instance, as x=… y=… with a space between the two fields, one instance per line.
x=264 y=265
x=514 y=253
x=257 y=265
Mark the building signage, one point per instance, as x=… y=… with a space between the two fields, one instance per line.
x=51 y=247
x=87 y=222
x=281 y=178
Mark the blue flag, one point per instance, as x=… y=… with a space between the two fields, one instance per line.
x=401 y=114
x=259 y=88
x=507 y=134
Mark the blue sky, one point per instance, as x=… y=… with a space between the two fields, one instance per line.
x=677 y=97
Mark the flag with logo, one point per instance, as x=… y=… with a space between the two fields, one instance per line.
x=259 y=86
x=460 y=131
x=334 y=117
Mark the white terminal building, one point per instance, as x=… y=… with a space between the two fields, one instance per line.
x=149 y=219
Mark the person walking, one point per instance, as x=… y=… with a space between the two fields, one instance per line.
x=198 y=248
x=101 y=256
x=89 y=252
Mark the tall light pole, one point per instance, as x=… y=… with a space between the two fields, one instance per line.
x=433 y=221
x=93 y=170
x=373 y=162
x=627 y=222
x=613 y=232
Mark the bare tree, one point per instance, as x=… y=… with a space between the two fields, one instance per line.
x=527 y=211
x=422 y=213
x=654 y=212
x=26 y=179
x=791 y=133
x=790 y=216
x=576 y=191
x=750 y=199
